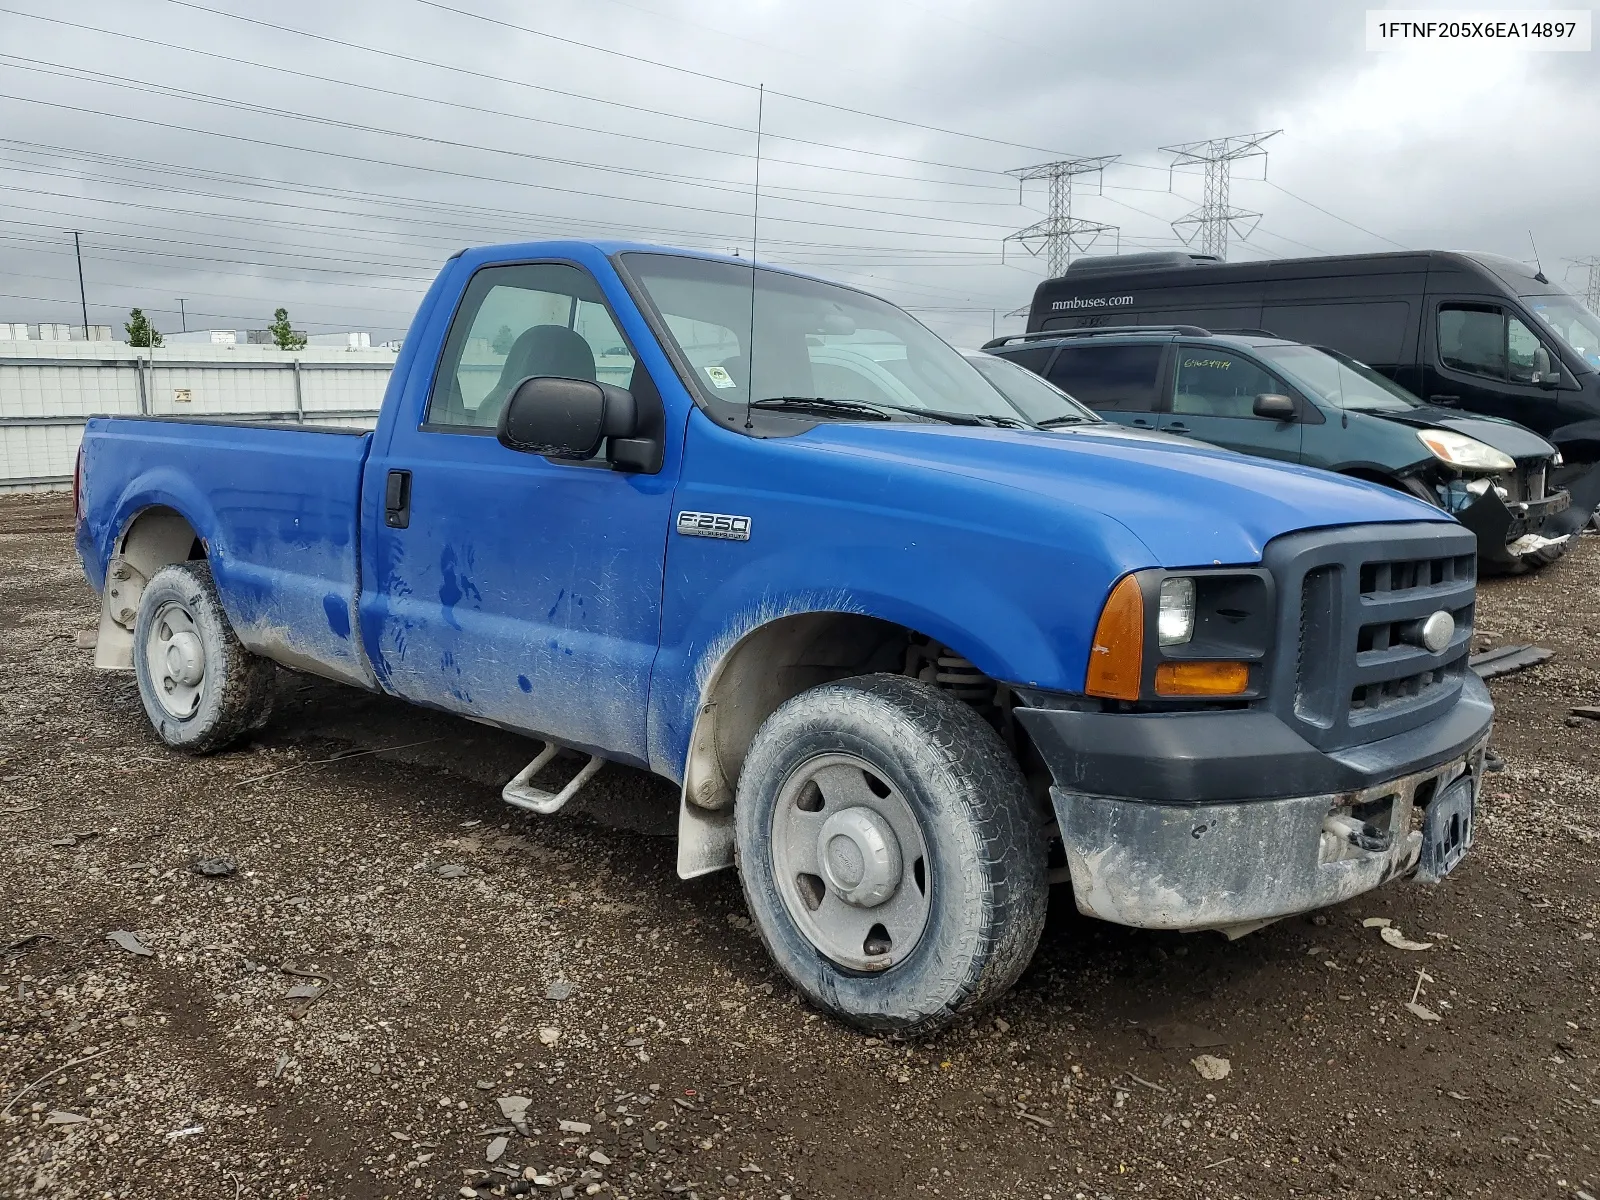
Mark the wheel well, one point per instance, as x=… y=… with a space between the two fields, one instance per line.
x=156 y=538
x=777 y=661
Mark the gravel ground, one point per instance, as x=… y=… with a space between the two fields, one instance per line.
x=405 y=989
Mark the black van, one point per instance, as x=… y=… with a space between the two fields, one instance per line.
x=1471 y=331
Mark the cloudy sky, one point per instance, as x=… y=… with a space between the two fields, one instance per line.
x=328 y=156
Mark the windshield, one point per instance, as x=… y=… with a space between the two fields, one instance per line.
x=1035 y=397
x=811 y=340
x=1570 y=321
x=1338 y=379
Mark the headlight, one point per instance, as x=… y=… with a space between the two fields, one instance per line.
x=1463 y=452
x=1175 y=619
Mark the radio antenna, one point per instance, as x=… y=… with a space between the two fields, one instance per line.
x=1538 y=267
x=755 y=233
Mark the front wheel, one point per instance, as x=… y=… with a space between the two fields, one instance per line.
x=200 y=688
x=890 y=854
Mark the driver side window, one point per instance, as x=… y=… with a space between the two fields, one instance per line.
x=521 y=321
x=1215 y=383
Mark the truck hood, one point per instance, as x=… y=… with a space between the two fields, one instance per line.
x=1506 y=436
x=1191 y=505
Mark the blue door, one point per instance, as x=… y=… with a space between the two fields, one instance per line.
x=512 y=587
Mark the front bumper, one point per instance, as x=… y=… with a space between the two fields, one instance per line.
x=1508 y=532
x=1210 y=827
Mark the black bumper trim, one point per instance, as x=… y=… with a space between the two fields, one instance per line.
x=1211 y=757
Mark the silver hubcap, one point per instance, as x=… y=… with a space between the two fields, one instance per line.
x=850 y=861
x=177 y=661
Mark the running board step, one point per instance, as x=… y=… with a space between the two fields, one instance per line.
x=521 y=793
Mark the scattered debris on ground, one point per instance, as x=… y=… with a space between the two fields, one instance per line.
x=335 y=1020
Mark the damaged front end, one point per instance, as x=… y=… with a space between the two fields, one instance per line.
x=1517 y=522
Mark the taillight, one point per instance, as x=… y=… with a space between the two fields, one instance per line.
x=77 y=485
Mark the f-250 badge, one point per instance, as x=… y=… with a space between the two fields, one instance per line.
x=714 y=525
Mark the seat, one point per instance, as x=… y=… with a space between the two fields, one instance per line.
x=541 y=350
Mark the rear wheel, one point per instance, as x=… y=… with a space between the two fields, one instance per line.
x=200 y=688
x=890 y=853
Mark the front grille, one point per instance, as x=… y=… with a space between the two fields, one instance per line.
x=1353 y=661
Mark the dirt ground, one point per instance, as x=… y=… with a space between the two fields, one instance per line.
x=397 y=951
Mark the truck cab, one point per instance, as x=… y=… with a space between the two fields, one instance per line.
x=907 y=655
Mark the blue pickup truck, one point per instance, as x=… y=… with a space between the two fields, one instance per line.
x=911 y=656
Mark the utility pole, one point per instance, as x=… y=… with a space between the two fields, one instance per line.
x=183 y=320
x=1215 y=217
x=83 y=298
x=1591 y=287
x=1060 y=233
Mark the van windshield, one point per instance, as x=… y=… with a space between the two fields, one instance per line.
x=828 y=350
x=1338 y=379
x=1571 y=322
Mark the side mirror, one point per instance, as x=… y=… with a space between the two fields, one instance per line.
x=1274 y=407
x=1545 y=374
x=565 y=418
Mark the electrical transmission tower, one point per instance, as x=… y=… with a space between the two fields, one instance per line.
x=1591 y=288
x=1215 y=217
x=1060 y=233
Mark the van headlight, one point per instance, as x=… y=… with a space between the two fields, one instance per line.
x=1464 y=453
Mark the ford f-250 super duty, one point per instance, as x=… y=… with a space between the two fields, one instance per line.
x=910 y=657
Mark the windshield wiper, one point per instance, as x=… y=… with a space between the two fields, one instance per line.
x=950 y=418
x=1065 y=419
x=822 y=404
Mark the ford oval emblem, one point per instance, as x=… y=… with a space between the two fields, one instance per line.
x=1437 y=631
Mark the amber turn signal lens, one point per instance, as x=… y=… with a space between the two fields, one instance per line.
x=1116 y=657
x=1202 y=678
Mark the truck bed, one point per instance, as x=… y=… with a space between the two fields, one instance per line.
x=277 y=507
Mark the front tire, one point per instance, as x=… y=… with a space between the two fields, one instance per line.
x=200 y=688
x=890 y=854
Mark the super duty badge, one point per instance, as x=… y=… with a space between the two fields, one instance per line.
x=714 y=525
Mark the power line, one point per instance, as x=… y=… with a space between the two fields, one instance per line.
x=142 y=85
x=635 y=108
x=1215 y=217
x=856 y=112
x=542 y=120
x=473 y=219
x=1334 y=215
x=1060 y=232
x=346 y=156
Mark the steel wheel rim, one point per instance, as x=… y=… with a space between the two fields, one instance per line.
x=175 y=656
x=850 y=862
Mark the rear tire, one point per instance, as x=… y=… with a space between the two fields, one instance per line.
x=890 y=853
x=200 y=688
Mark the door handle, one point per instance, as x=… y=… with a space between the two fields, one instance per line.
x=1179 y=426
x=397 y=500
x=1142 y=423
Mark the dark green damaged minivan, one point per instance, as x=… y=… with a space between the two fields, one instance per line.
x=1274 y=398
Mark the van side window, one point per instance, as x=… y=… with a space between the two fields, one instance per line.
x=1109 y=378
x=1522 y=347
x=1473 y=340
x=1214 y=383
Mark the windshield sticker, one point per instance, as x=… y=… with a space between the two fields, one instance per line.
x=1218 y=364
x=719 y=377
